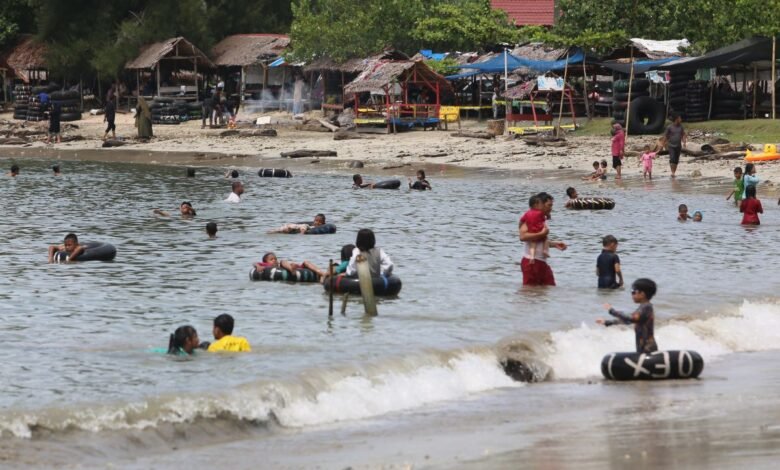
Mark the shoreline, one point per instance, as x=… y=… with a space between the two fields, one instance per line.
x=188 y=144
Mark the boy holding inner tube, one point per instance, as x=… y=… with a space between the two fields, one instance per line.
x=70 y=245
x=642 y=291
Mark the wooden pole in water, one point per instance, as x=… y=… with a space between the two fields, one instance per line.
x=330 y=291
x=344 y=305
x=774 y=70
x=366 y=286
x=563 y=90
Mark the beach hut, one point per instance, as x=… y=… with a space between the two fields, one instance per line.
x=256 y=60
x=409 y=94
x=333 y=76
x=175 y=64
x=26 y=61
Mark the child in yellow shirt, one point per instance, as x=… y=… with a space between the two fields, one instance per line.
x=223 y=330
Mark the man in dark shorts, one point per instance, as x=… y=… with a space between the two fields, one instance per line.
x=110 y=117
x=538 y=273
x=675 y=139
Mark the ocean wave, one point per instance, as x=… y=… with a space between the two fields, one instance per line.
x=317 y=397
x=576 y=353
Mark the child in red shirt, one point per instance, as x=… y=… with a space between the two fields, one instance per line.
x=751 y=207
x=534 y=219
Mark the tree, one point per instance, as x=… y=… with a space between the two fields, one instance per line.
x=16 y=17
x=464 y=25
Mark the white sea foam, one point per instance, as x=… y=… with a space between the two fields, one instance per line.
x=323 y=397
x=577 y=353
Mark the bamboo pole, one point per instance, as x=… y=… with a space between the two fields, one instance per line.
x=774 y=70
x=330 y=293
x=628 y=102
x=709 y=110
x=585 y=87
x=755 y=85
x=563 y=90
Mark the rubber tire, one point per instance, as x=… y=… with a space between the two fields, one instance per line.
x=619 y=105
x=634 y=95
x=646 y=108
x=729 y=116
x=70 y=116
x=620 y=86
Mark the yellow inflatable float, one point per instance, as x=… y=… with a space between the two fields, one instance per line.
x=769 y=154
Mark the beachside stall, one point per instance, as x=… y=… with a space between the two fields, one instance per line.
x=328 y=78
x=255 y=71
x=170 y=68
x=537 y=100
x=397 y=94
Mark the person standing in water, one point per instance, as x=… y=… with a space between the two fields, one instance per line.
x=618 y=148
x=643 y=318
x=237 y=190
x=538 y=273
x=675 y=139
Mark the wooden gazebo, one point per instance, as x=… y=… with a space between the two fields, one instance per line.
x=174 y=54
x=394 y=80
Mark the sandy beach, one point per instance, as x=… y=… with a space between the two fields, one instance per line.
x=188 y=144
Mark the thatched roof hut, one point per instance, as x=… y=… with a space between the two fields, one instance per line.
x=381 y=74
x=325 y=64
x=172 y=49
x=27 y=57
x=539 y=51
x=241 y=50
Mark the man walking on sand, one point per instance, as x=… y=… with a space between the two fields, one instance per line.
x=538 y=272
x=675 y=139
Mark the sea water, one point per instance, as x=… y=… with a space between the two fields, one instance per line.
x=77 y=339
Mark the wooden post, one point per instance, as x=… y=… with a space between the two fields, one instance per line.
x=774 y=69
x=195 y=71
x=330 y=292
x=585 y=87
x=628 y=103
x=138 y=88
x=755 y=86
x=709 y=111
x=281 y=96
x=158 y=79
x=563 y=90
x=479 y=99
x=744 y=94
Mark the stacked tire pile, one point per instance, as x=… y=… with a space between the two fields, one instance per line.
x=678 y=86
x=170 y=111
x=70 y=104
x=728 y=105
x=696 y=101
x=646 y=114
x=21 y=96
x=36 y=110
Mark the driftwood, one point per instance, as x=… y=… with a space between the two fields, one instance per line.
x=720 y=156
x=12 y=141
x=309 y=153
x=496 y=126
x=473 y=135
x=310 y=127
x=434 y=155
x=72 y=138
x=258 y=133
x=724 y=148
x=546 y=142
x=346 y=135
x=229 y=133
x=328 y=125
x=114 y=143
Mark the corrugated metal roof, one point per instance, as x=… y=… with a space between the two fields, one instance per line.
x=249 y=49
x=528 y=12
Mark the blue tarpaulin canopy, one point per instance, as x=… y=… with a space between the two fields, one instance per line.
x=640 y=66
x=496 y=64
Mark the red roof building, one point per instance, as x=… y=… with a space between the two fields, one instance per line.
x=528 y=12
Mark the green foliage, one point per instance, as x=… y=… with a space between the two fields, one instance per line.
x=15 y=18
x=445 y=66
x=465 y=25
x=342 y=29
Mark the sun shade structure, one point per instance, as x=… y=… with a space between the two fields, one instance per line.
x=740 y=55
x=27 y=59
x=172 y=54
x=399 y=79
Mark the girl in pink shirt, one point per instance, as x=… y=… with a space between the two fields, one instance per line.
x=647 y=158
x=618 y=142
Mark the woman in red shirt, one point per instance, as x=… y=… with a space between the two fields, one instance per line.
x=751 y=207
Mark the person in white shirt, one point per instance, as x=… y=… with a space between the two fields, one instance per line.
x=379 y=263
x=238 y=190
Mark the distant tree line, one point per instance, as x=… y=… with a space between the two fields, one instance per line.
x=99 y=36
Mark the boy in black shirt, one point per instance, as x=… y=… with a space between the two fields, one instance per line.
x=608 y=265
